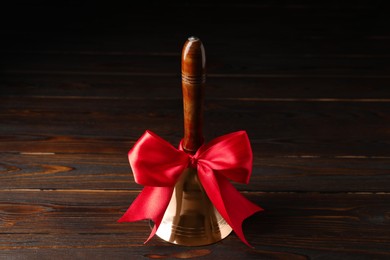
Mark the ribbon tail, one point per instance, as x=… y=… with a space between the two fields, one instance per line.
x=151 y=203
x=232 y=206
x=237 y=207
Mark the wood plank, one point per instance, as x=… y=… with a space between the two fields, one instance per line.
x=232 y=64
x=63 y=125
x=304 y=43
x=150 y=87
x=265 y=39
x=344 y=225
x=275 y=174
x=152 y=252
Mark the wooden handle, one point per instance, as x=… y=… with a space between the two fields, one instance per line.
x=193 y=69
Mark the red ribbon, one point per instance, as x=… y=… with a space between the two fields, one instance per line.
x=157 y=165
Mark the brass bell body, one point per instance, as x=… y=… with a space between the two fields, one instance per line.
x=191 y=219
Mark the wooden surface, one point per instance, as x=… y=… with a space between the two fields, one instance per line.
x=80 y=82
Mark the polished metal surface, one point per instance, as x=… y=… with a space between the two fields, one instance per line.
x=191 y=219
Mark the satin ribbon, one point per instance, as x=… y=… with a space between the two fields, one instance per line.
x=157 y=165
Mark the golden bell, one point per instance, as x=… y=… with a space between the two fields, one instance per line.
x=191 y=219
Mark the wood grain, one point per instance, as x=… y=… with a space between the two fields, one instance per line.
x=85 y=219
x=193 y=78
x=56 y=125
x=233 y=64
x=267 y=88
x=272 y=174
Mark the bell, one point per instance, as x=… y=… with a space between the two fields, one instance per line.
x=190 y=218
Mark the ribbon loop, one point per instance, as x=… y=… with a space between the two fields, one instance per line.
x=155 y=162
x=157 y=165
x=229 y=155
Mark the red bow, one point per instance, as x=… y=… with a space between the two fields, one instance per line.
x=157 y=165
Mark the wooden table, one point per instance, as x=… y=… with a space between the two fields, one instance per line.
x=81 y=82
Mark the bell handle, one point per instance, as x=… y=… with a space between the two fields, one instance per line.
x=193 y=69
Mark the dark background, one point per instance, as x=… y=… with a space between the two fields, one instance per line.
x=285 y=27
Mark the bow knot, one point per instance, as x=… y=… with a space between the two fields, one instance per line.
x=193 y=162
x=157 y=165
